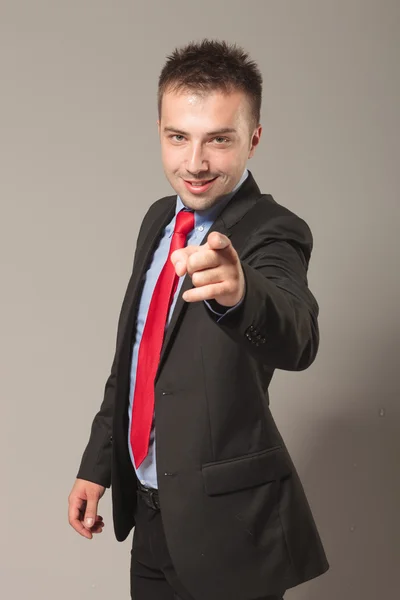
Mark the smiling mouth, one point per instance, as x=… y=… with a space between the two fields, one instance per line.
x=199 y=182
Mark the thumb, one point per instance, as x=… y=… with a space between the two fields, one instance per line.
x=223 y=245
x=91 y=511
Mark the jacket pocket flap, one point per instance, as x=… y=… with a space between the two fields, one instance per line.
x=245 y=471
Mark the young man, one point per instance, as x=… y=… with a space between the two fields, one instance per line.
x=217 y=300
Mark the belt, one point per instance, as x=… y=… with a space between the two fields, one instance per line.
x=149 y=495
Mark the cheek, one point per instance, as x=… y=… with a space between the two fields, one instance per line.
x=167 y=158
x=229 y=162
x=171 y=159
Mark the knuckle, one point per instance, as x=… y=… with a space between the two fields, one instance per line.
x=228 y=288
x=196 y=278
x=232 y=286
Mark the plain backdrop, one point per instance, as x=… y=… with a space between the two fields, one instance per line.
x=80 y=165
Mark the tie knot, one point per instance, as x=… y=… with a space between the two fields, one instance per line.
x=184 y=222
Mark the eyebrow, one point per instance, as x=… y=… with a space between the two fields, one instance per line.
x=216 y=132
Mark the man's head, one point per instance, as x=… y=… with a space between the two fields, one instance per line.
x=209 y=100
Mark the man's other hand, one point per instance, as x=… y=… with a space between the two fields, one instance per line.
x=82 y=507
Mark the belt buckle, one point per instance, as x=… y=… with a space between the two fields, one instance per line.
x=152 y=499
x=148 y=496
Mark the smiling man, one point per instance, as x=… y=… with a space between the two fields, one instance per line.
x=206 y=141
x=217 y=300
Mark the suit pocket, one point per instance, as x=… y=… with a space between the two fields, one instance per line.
x=245 y=471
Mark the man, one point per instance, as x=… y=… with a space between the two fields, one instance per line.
x=184 y=435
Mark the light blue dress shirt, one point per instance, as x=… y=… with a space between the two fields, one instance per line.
x=147 y=473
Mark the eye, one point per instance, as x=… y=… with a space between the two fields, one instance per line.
x=176 y=135
x=221 y=140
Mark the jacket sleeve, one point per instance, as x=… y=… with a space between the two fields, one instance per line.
x=277 y=320
x=220 y=310
x=97 y=457
x=96 y=460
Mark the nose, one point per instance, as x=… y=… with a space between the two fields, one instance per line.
x=197 y=161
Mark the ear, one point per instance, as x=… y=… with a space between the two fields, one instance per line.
x=255 y=140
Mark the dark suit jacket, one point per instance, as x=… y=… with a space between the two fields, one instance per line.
x=237 y=521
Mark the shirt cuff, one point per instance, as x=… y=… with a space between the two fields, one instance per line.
x=220 y=310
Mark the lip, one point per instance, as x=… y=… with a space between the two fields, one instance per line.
x=198 y=189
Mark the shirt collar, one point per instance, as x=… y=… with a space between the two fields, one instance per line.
x=203 y=217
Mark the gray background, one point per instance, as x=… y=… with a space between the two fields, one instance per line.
x=80 y=164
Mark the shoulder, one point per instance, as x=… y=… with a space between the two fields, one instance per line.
x=279 y=221
x=156 y=209
x=159 y=206
x=269 y=224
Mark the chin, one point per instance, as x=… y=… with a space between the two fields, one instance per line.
x=200 y=203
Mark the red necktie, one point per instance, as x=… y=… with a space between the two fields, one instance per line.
x=151 y=342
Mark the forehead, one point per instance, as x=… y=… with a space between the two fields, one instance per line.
x=208 y=108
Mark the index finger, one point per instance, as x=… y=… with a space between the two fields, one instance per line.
x=182 y=254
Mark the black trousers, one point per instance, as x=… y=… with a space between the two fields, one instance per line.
x=153 y=576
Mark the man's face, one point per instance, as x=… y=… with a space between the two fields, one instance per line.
x=205 y=139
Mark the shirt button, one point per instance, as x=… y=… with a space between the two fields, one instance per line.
x=201 y=228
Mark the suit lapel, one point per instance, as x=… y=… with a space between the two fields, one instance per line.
x=145 y=251
x=236 y=208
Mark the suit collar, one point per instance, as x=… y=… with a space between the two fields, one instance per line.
x=207 y=217
x=233 y=210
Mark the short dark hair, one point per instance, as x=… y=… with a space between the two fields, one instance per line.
x=212 y=65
